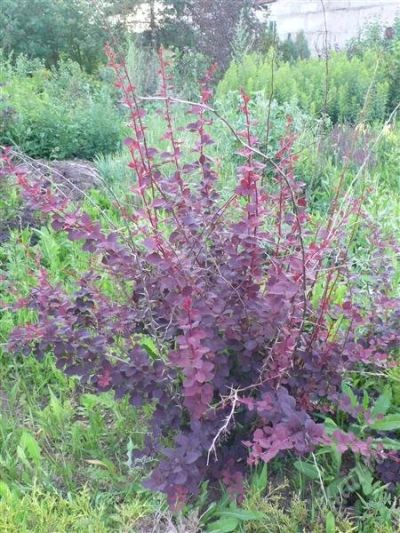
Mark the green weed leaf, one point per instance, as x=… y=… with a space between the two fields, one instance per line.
x=224 y=525
x=242 y=515
x=365 y=478
x=306 y=469
x=383 y=403
x=330 y=523
x=259 y=480
x=387 y=423
x=30 y=446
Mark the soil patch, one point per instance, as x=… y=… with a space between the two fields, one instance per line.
x=72 y=178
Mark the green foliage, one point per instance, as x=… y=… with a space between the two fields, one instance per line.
x=374 y=35
x=142 y=63
x=41 y=511
x=394 y=75
x=188 y=68
x=352 y=89
x=9 y=202
x=301 y=46
x=345 y=479
x=114 y=170
x=270 y=506
x=51 y=30
x=59 y=113
x=280 y=513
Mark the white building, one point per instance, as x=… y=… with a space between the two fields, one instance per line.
x=331 y=21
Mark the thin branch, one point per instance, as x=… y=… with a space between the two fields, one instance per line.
x=234 y=398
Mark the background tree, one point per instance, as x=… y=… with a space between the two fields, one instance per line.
x=215 y=23
x=206 y=26
x=78 y=29
x=168 y=21
x=50 y=29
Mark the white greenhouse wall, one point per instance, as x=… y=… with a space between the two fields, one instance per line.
x=344 y=19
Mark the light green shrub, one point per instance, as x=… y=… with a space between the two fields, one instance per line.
x=346 y=89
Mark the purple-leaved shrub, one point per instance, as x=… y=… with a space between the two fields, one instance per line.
x=237 y=295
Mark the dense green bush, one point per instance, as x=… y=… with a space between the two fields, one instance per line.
x=57 y=114
x=354 y=87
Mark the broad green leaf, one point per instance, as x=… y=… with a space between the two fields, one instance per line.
x=330 y=523
x=22 y=457
x=334 y=488
x=259 y=480
x=210 y=513
x=150 y=346
x=349 y=392
x=224 y=525
x=365 y=478
x=4 y=490
x=387 y=423
x=307 y=469
x=336 y=458
x=242 y=514
x=365 y=402
x=31 y=447
x=383 y=403
x=390 y=444
x=330 y=425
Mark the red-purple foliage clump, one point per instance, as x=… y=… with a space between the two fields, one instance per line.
x=245 y=355
x=6 y=164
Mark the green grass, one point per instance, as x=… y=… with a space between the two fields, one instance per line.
x=65 y=451
x=66 y=454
